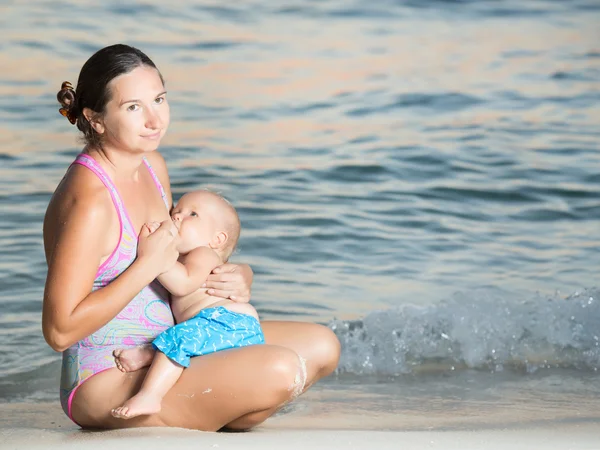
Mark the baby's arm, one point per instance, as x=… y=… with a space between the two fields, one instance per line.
x=185 y=278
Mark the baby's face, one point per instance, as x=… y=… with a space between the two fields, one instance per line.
x=196 y=219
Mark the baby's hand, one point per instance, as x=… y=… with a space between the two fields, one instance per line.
x=152 y=226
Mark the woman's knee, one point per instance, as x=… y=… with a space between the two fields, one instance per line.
x=288 y=372
x=327 y=349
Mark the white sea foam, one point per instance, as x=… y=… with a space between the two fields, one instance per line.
x=475 y=330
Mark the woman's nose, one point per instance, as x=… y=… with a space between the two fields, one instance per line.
x=153 y=120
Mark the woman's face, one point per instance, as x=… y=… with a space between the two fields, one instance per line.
x=137 y=115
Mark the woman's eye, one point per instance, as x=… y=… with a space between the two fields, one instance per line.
x=133 y=107
x=159 y=100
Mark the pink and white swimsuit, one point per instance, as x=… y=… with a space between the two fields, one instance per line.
x=145 y=317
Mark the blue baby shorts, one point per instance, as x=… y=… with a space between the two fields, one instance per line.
x=211 y=330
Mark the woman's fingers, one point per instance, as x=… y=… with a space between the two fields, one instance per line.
x=224 y=290
x=227 y=281
x=227 y=277
x=221 y=293
x=168 y=227
x=157 y=246
x=217 y=285
x=145 y=231
x=153 y=226
x=225 y=268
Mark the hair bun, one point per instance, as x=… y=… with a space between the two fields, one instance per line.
x=66 y=98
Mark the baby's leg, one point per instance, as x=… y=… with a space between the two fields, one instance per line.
x=161 y=377
x=132 y=359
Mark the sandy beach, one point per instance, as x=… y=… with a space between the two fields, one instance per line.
x=43 y=426
x=571 y=437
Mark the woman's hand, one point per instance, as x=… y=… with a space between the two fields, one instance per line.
x=156 y=246
x=232 y=281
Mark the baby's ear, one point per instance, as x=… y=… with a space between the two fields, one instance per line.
x=220 y=240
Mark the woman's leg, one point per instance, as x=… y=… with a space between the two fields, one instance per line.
x=214 y=391
x=316 y=344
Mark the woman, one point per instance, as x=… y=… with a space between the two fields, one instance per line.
x=100 y=295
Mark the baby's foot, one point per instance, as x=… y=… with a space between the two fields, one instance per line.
x=132 y=359
x=137 y=405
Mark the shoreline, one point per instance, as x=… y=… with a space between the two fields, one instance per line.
x=575 y=437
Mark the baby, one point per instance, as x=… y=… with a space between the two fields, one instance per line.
x=208 y=228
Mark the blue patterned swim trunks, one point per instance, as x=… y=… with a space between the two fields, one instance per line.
x=211 y=330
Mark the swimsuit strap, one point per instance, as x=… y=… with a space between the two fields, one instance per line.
x=163 y=194
x=90 y=163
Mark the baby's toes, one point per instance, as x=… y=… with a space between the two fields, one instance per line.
x=117 y=355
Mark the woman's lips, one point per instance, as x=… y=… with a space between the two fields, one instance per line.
x=153 y=136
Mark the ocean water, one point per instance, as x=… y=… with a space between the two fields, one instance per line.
x=421 y=176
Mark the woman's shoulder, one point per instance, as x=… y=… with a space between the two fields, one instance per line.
x=81 y=183
x=80 y=202
x=81 y=190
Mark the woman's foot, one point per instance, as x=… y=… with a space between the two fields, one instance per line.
x=138 y=405
x=132 y=359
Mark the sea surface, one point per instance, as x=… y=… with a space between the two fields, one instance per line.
x=421 y=176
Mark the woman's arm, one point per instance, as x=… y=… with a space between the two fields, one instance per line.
x=73 y=231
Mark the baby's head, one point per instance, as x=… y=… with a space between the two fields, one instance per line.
x=205 y=219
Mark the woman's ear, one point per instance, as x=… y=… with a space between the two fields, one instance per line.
x=96 y=123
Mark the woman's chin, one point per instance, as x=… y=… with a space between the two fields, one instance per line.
x=147 y=147
x=148 y=144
